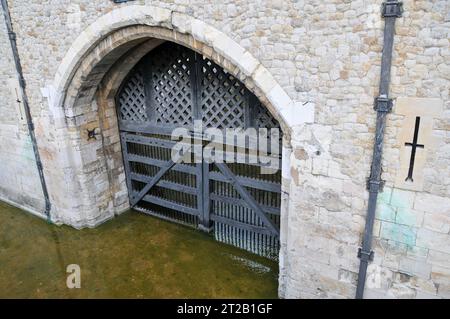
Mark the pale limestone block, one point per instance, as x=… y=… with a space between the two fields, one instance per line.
x=415 y=267
x=432 y=203
x=434 y=241
x=181 y=22
x=401 y=291
x=247 y=63
x=439 y=258
x=437 y=222
x=279 y=98
x=205 y=33
x=426 y=109
x=263 y=79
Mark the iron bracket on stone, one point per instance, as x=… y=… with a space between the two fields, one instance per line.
x=365 y=255
x=383 y=104
x=121 y=1
x=92 y=134
x=392 y=9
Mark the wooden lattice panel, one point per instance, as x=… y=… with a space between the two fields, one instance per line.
x=171 y=91
x=263 y=118
x=171 y=87
x=132 y=99
x=223 y=98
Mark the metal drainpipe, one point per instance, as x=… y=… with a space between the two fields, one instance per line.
x=392 y=9
x=22 y=84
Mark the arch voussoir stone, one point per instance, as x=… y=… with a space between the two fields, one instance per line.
x=178 y=26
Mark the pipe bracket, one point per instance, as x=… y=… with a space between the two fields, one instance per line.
x=365 y=255
x=383 y=104
x=392 y=9
x=375 y=185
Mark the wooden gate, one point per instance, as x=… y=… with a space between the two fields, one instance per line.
x=172 y=87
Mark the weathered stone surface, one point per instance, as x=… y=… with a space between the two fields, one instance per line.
x=317 y=69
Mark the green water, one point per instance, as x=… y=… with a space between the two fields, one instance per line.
x=131 y=256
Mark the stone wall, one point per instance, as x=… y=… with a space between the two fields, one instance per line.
x=19 y=179
x=322 y=55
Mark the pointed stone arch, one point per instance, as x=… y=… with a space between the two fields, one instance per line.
x=108 y=31
x=95 y=66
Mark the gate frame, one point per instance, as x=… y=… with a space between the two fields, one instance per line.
x=85 y=65
x=139 y=114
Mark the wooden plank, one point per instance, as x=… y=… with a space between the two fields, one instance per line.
x=151 y=213
x=243 y=203
x=249 y=199
x=148 y=140
x=205 y=195
x=137 y=197
x=235 y=223
x=126 y=164
x=166 y=184
x=195 y=77
x=172 y=205
x=148 y=89
x=155 y=162
x=148 y=127
x=249 y=182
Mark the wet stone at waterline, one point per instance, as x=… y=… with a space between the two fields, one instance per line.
x=132 y=256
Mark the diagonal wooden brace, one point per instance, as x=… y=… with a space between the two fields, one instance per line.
x=248 y=198
x=135 y=198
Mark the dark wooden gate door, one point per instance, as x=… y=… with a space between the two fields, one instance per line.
x=169 y=88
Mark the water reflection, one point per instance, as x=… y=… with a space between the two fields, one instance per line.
x=131 y=256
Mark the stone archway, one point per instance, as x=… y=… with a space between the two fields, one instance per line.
x=86 y=181
x=89 y=59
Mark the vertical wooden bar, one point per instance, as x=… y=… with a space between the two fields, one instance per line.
x=126 y=163
x=206 y=202
x=195 y=68
x=148 y=89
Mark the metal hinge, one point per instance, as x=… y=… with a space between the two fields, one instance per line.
x=383 y=104
x=121 y=1
x=392 y=9
x=365 y=255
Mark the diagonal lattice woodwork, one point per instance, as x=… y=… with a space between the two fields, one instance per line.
x=132 y=99
x=223 y=97
x=263 y=118
x=171 y=94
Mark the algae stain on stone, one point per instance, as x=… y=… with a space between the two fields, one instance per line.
x=27 y=149
x=394 y=208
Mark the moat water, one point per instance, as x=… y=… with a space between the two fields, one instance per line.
x=131 y=256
